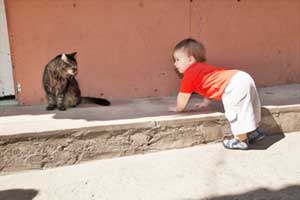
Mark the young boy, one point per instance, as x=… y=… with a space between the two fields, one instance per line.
x=235 y=88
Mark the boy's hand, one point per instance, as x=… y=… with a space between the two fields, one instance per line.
x=203 y=104
x=200 y=105
x=172 y=109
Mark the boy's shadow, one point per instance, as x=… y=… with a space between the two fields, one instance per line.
x=272 y=130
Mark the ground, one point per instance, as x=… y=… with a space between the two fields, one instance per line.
x=269 y=170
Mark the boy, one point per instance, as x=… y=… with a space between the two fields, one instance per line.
x=235 y=88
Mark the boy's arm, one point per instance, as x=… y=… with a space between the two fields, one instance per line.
x=182 y=100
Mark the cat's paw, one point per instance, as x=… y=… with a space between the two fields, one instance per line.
x=61 y=108
x=50 y=107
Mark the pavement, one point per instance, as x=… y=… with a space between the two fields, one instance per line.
x=208 y=172
x=35 y=119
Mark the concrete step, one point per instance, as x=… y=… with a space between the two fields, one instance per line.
x=32 y=138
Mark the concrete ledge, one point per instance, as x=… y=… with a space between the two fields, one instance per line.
x=88 y=133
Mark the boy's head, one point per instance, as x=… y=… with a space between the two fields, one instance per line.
x=187 y=52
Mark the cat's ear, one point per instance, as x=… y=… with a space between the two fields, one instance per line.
x=64 y=57
x=73 y=55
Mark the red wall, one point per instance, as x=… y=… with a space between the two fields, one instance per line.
x=125 y=46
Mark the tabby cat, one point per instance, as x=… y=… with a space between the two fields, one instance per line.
x=60 y=85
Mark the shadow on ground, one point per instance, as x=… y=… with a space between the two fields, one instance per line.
x=18 y=194
x=288 y=193
x=267 y=142
x=288 y=94
x=152 y=106
x=271 y=128
x=119 y=110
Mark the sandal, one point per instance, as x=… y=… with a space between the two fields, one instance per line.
x=234 y=144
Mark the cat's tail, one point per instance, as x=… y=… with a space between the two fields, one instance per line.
x=99 y=101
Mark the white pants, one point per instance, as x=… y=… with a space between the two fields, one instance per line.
x=242 y=104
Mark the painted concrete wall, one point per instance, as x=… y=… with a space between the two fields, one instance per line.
x=124 y=46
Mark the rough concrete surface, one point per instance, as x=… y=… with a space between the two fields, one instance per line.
x=32 y=138
x=269 y=170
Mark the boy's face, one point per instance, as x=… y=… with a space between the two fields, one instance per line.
x=182 y=60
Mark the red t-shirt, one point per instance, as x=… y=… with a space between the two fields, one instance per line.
x=206 y=80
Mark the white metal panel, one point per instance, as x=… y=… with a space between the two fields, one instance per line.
x=6 y=75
